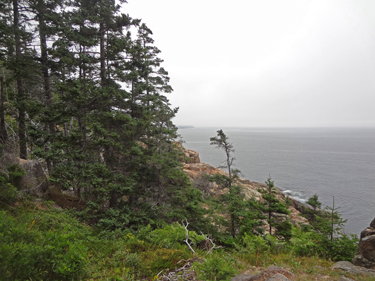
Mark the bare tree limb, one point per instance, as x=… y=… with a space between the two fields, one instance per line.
x=187 y=235
x=212 y=243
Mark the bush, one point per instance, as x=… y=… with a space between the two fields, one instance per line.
x=302 y=242
x=342 y=248
x=7 y=191
x=15 y=175
x=27 y=253
x=171 y=236
x=10 y=183
x=254 y=244
x=162 y=259
x=215 y=268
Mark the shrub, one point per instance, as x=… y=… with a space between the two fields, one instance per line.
x=215 y=268
x=15 y=175
x=254 y=244
x=27 y=253
x=302 y=243
x=7 y=191
x=171 y=236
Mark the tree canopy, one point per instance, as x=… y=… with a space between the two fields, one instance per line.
x=84 y=90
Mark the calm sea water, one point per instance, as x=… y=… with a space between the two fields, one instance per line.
x=331 y=162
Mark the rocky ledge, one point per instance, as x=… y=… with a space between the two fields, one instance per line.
x=365 y=255
x=198 y=172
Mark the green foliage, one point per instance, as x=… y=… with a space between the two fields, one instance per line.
x=245 y=215
x=98 y=117
x=221 y=180
x=273 y=206
x=215 y=268
x=31 y=240
x=26 y=252
x=331 y=242
x=10 y=183
x=288 y=201
x=284 y=229
x=317 y=241
x=161 y=259
x=221 y=141
x=7 y=191
x=171 y=236
x=342 y=248
x=302 y=242
x=254 y=244
x=15 y=174
x=313 y=201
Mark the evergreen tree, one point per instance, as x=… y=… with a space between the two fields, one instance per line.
x=91 y=98
x=244 y=214
x=273 y=206
x=313 y=201
x=17 y=56
x=222 y=141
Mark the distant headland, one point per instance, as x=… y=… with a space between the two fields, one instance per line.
x=185 y=127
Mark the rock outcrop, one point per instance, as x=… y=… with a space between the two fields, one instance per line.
x=350 y=268
x=199 y=172
x=35 y=181
x=191 y=156
x=272 y=273
x=365 y=255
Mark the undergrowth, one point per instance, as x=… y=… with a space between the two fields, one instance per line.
x=53 y=245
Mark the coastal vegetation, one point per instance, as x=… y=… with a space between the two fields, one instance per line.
x=83 y=94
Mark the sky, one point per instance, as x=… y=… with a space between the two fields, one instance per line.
x=266 y=63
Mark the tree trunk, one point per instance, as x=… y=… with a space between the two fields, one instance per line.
x=20 y=90
x=46 y=78
x=269 y=221
x=332 y=218
x=102 y=51
x=3 y=129
x=233 y=228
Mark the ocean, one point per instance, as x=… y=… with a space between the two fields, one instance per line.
x=334 y=163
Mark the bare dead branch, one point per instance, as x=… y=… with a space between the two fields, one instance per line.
x=212 y=243
x=187 y=235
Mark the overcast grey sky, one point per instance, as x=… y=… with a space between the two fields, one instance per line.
x=247 y=63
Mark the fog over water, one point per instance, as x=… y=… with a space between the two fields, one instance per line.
x=328 y=161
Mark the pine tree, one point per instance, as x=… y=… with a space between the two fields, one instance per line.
x=313 y=201
x=273 y=206
x=244 y=214
x=222 y=141
x=91 y=98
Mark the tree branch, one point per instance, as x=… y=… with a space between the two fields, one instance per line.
x=187 y=235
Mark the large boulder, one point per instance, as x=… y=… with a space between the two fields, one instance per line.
x=353 y=269
x=365 y=255
x=35 y=182
x=272 y=273
x=191 y=156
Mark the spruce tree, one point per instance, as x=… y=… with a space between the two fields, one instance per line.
x=221 y=141
x=91 y=98
x=273 y=206
x=245 y=215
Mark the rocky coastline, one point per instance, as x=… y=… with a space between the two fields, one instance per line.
x=196 y=171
